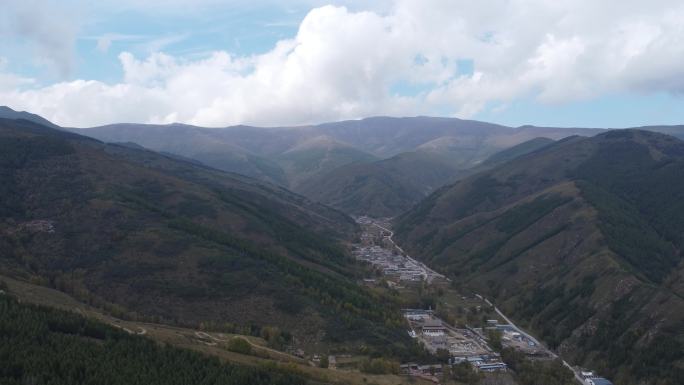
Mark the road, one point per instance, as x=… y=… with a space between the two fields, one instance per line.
x=528 y=336
x=391 y=234
x=499 y=312
x=431 y=272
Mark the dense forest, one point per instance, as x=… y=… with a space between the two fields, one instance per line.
x=148 y=237
x=580 y=242
x=528 y=372
x=40 y=345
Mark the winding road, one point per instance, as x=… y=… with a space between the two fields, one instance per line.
x=431 y=273
x=499 y=312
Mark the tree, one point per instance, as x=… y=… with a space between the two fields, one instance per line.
x=379 y=366
x=48 y=346
x=240 y=345
x=464 y=372
x=443 y=355
x=494 y=339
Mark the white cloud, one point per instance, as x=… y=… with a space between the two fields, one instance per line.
x=344 y=64
x=46 y=27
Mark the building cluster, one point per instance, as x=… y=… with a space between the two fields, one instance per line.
x=482 y=363
x=469 y=346
x=462 y=345
x=378 y=248
x=461 y=348
x=391 y=264
x=513 y=338
x=590 y=378
x=433 y=328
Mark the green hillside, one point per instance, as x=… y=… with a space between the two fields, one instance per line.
x=290 y=155
x=149 y=237
x=316 y=157
x=381 y=189
x=518 y=150
x=200 y=144
x=45 y=346
x=389 y=187
x=580 y=241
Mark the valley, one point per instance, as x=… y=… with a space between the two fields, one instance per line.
x=464 y=340
x=338 y=192
x=378 y=248
x=378 y=166
x=545 y=236
x=463 y=326
x=487 y=273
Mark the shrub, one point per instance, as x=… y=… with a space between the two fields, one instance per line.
x=240 y=345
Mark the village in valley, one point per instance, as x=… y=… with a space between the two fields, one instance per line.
x=463 y=342
x=378 y=248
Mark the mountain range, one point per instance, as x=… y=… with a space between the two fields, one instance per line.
x=580 y=240
x=8 y=113
x=303 y=159
x=151 y=237
x=575 y=233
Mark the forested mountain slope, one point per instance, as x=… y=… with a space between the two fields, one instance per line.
x=317 y=156
x=517 y=151
x=292 y=155
x=383 y=188
x=47 y=346
x=201 y=144
x=152 y=237
x=580 y=241
x=389 y=187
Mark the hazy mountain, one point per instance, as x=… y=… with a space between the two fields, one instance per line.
x=517 y=151
x=676 y=131
x=389 y=187
x=146 y=235
x=291 y=155
x=8 y=113
x=579 y=240
x=464 y=142
x=317 y=156
x=386 y=137
x=201 y=144
x=383 y=188
x=322 y=162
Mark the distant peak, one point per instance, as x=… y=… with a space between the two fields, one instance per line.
x=321 y=141
x=9 y=113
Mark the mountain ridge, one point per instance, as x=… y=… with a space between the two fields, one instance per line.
x=575 y=243
x=152 y=237
x=8 y=113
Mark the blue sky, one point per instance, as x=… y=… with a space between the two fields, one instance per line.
x=219 y=63
x=241 y=29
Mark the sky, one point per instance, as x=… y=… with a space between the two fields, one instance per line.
x=217 y=63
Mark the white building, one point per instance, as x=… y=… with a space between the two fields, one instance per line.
x=433 y=328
